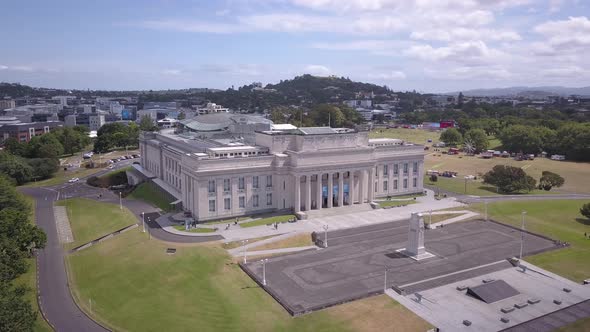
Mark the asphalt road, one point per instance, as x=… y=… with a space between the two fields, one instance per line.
x=54 y=295
x=353 y=265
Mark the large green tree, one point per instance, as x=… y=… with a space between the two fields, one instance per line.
x=478 y=138
x=509 y=179
x=549 y=180
x=451 y=137
x=521 y=138
x=15 y=168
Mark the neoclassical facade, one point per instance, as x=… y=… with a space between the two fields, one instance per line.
x=293 y=170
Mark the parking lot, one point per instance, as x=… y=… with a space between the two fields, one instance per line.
x=354 y=264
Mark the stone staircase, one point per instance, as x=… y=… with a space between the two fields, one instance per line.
x=347 y=209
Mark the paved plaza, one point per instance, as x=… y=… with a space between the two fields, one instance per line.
x=354 y=264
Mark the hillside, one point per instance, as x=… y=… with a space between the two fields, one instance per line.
x=526 y=90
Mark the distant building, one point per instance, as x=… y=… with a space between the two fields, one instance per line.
x=7 y=103
x=212 y=108
x=363 y=103
x=95 y=121
x=23 y=132
x=70 y=120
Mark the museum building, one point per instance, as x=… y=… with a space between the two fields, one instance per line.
x=297 y=170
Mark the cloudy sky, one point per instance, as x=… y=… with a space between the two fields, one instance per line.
x=426 y=45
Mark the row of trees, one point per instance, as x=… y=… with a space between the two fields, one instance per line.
x=39 y=158
x=320 y=115
x=475 y=138
x=509 y=179
x=119 y=135
x=18 y=239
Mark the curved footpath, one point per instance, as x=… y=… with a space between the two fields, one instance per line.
x=55 y=299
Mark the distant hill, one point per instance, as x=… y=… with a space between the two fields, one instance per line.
x=525 y=90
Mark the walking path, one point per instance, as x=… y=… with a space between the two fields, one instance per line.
x=466 y=215
x=276 y=251
x=64 y=231
x=240 y=250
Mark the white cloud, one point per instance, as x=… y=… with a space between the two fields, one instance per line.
x=317 y=70
x=17 y=68
x=190 y=26
x=466 y=73
x=388 y=76
x=171 y=72
x=3 y=67
x=572 y=72
x=472 y=52
x=571 y=35
x=461 y=33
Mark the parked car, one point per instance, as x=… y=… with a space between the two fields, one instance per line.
x=72 y=180
x=135 y=155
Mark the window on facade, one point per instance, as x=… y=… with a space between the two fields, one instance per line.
x=227 y=203
x=255 y=200
x=255 y=182
x=269 y=199
x=242 y=201
x=395 y=184
x=385 y=186
x=415 y=182
x=415 y=168
x=395 y=169
x=241 y=183
x=405 y=183
x=211 y=186
x=211 y=205
x=269 y=181
x=406 y=168
x=226 y=185
x=385 y=170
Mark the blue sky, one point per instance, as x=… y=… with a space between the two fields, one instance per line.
x=426 y=45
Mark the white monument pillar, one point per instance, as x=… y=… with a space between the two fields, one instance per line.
x=308 y=192
x=340 y=189
x=319 y=191
x=415 y=247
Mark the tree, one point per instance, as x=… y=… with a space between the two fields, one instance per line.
x=520 y=138
x=451 y=136
x=460 y=100
x=509 y=179
x=15 y=168
x=45 y=146
x=585 y=210
x=16 y=313
x=15 y=147
x=572 y=140
x=181 y=116
x=147 y=124
x=478 y=139
x=433 y=178
x=328 y=115
x=43 y=168
x=549 y=180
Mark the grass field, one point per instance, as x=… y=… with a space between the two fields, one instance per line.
x=134 y=285
x=235 y=244
x=474 y=187
x=29 y=280
x=150 y=193
x=87 y=226
x=395 y=203
x=62 y=177
x=582 y=325
x=417 y=136
x=194 y=230
x=270 y=220
x=576 y=174
x=558 y=219
x=298 y=240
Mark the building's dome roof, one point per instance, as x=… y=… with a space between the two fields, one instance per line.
x=220 y=121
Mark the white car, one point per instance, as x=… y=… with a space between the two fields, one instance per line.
x=72 y=180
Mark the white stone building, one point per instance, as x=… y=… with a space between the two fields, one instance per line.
x=293 y=170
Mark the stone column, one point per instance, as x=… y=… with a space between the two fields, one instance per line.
x=297 y=193
x=350 y=187
x=371 y=186
x=340 y=189
x=362 y=186
x=330 y=190
x=307 y=192
x=319 y=191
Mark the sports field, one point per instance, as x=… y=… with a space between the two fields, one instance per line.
x=416 y=136
x=134 y=285
x=576 y=174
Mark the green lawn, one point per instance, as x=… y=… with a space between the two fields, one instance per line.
x=194 y=230
x=582 y=325
x=558 y=219
x=395 y=203
x=270 y=220
x=87 y=226
x=134 y=285
x=29 y=279
x=150 y=193
x=226 y=221
x=61 y=177
x=474 y=187
x=418 y=136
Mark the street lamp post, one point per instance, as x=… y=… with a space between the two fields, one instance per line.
x=385 y=280
x=521 y=236
x=430 y=220
x=149 y=233
x=264 y=271
x=244 y=246
x=485 y=204
x=143 y=220
x=326 y=236
x=120 y=201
